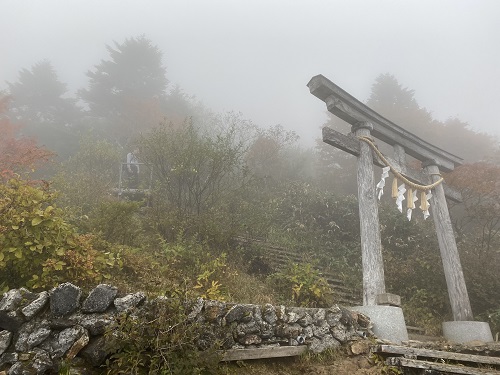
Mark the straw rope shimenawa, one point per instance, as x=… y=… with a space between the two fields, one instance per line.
x=395 y=172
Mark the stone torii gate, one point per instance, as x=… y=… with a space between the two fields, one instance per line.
x=367 y=123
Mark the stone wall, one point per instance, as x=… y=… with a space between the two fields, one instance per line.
x=40 y=330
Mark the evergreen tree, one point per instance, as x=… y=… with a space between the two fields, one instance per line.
x=126 y=92
x=398 y=104
x=38 y=101
x=37 y=98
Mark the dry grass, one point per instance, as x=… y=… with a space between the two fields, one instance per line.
x=244 y=288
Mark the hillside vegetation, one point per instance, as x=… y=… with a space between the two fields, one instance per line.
x=214 y=177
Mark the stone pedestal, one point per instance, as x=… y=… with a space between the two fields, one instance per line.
x=466 y=331
x=388 y=322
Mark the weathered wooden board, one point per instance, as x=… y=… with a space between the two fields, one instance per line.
x=351 y=145
x=443 y=367
x=348 y=108
x=438 y=354
x=261 y=353
x=417 y=330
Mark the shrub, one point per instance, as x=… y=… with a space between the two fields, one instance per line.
x=202 y=269
x=304 y=285
x=38 y=248
x=117 y=222
x=86 y=179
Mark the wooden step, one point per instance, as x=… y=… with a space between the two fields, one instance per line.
x=415 y=330
x=436 y=354
x=259 y=353
x=437 y=366
x=423 y=338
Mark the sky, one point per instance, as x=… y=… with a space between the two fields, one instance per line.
x=256 y=57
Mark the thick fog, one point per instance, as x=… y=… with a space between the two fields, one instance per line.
x=256 y=57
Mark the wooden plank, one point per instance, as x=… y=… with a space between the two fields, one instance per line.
x=371 y=244
x=348 y=108
x=351 y=145
x=423 y=338
x=452 y=369
x=417 y=330
x=438 y=354
x=260 y=353
x=457 y=289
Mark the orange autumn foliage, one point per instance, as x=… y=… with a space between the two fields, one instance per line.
x=17 y=154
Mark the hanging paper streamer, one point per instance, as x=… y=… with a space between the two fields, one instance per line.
x=381 y=184
x=409 y=200
x=398 y=192
x=395 y=187
x=412 y=198
x=426 y=204
x=401 y=197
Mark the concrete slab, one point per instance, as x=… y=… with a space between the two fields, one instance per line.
x=388 y=322
x=466 y=331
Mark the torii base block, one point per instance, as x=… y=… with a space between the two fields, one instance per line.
x=388 y=322
x=466 y=331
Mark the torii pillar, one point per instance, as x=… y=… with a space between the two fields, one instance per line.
x=371 y=245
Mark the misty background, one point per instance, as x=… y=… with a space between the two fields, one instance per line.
x=257 y=57
x=213 y=94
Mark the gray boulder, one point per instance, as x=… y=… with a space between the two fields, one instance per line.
x=21 y=341
x=64 y=299
x=239 y=313
x=326 y=342
x=41 y=362
x=269 y=314
x=5 y=339
x=129 y=301
x=99 y=299
x=36 y=306
x=8 y=358
x=11 y=300
x=67 y=339
x=37 y=337
x=94 y=353
x=96 y=324
x=10 y=320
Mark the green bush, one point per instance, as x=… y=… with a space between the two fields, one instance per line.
x=86 y=179
x=424 y=309
x=117 y=222
x=203 y=270
x=303 y=285
x=38 y=248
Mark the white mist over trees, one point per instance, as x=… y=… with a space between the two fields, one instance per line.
x=38 y=102
x=219 y=176
x=126 y=93
x=397 y=103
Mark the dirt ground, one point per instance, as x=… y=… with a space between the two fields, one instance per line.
x=339 y=362
x=357 y=365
